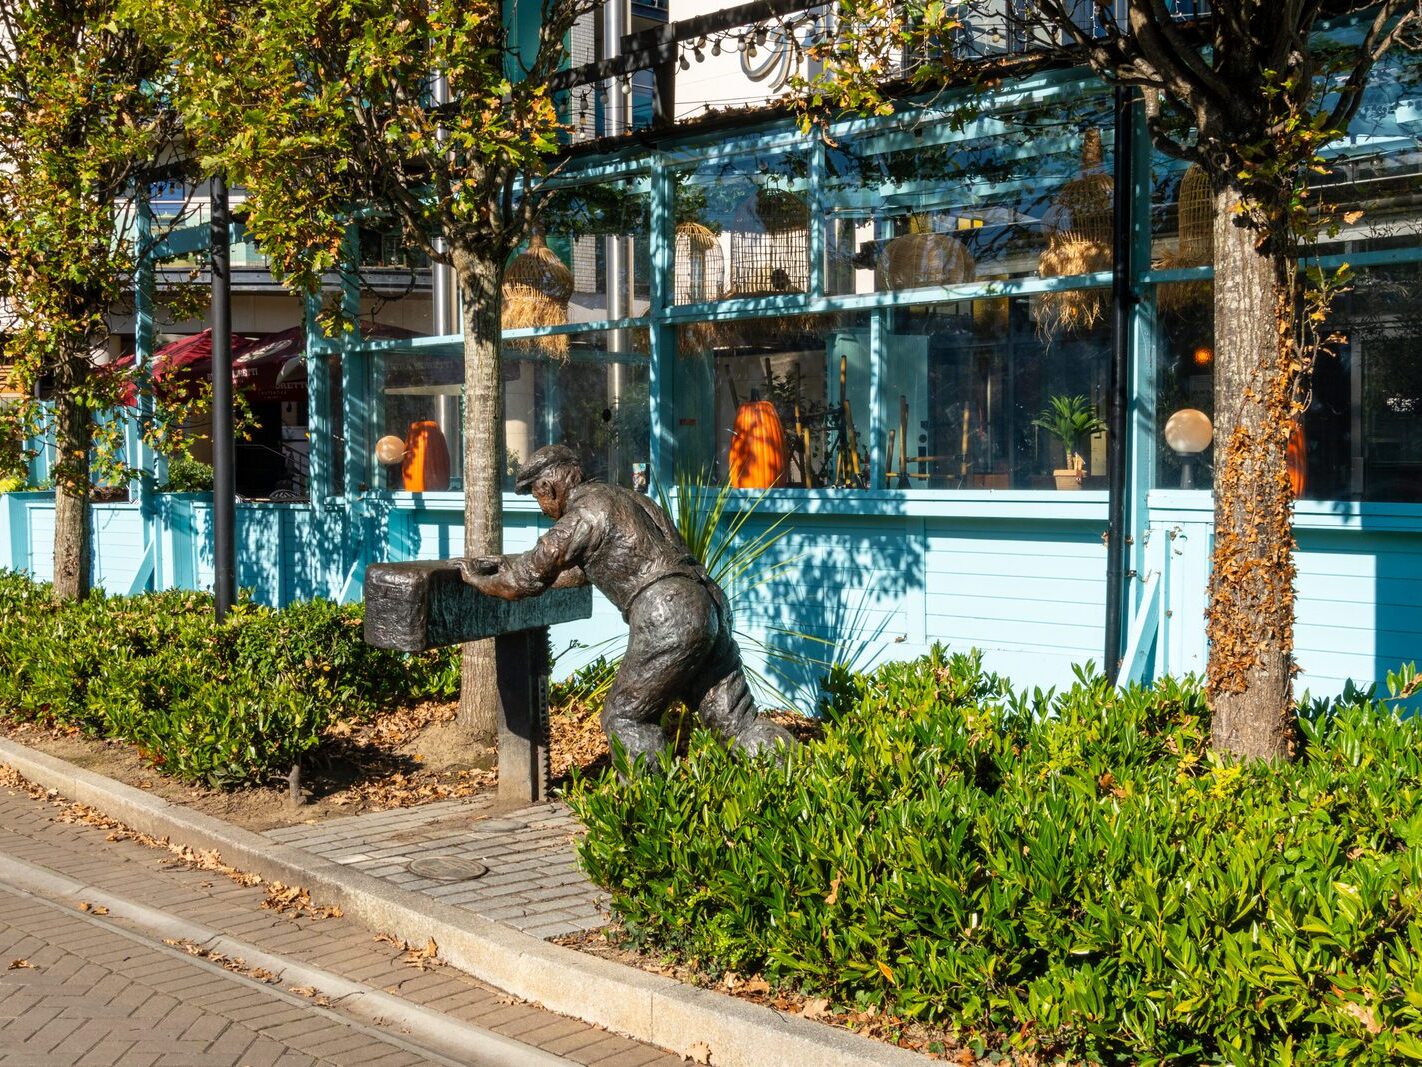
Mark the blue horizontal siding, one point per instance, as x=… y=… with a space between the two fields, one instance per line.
x=1026 y=586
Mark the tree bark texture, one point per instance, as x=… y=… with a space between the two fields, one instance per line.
x=480 y=287
x=1251 y=607
x=71 y=501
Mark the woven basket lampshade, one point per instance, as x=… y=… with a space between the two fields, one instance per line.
x=770 y=245
x=700 y=266
x=1078 y=242
x=922 y=258
x=1196 y=209
x=700 y=276
x=537 y=288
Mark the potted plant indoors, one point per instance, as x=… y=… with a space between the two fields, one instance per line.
x=1070 y=419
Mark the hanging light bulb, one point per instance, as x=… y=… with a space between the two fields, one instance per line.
x=684 y=63
x=627 y=86
x=716 y=47
x=700 y=55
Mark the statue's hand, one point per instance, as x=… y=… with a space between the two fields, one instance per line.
x=479 y=567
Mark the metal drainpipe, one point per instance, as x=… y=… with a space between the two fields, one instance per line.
x=615 y=23
x=444 y=306
x=1123 y=298
x=224 y=491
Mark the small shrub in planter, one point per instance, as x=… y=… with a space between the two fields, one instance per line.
x=1074 y=872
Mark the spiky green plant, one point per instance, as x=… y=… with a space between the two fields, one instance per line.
x=1069 y=419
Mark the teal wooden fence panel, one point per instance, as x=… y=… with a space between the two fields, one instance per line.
x=1358 y=594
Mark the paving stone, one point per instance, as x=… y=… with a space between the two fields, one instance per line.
x=100 y=997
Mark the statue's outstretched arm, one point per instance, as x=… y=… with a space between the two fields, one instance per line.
x=554 y=562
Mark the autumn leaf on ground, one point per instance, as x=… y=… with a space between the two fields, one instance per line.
x=16 y=965
x=756 y=985
x=93 y=909
x=815 y=1007
x=424 y=958
x=698 y=1053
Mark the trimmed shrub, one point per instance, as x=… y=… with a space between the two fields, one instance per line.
x=223 y=704
x=1074 y=873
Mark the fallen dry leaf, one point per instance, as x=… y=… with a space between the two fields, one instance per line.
x=93 y=909
x=1364 y=1015
x=833 y=894
x=815 y=1007
x=698 y=1053
x=296 y=901
x=16 y=965
x=424 y=958
x=756 y=985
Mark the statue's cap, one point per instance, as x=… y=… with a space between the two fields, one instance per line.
x=547 y=458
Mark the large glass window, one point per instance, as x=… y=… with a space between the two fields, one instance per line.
x=1361 y=435
x=587 y=391
x=1373 y=188
x=776 y=402
x=742 y=228
x=969 y=396
x=586 y=229
x=1025 y=192
x=594 y=399
x=979 y=396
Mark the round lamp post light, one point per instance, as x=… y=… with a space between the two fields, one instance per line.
x=389 y=450
x=1188 y=432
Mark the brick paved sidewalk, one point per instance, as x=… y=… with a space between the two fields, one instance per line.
x=533 y=881
x=94 y=995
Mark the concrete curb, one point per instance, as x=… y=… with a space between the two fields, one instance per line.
x=642 y=1006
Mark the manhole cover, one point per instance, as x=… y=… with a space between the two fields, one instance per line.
x=447 y=868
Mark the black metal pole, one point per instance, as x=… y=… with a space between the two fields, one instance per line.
x=1119 y=380
x=224 y=493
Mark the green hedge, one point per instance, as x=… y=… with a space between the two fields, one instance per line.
x=223 y=704
x=1074 y=870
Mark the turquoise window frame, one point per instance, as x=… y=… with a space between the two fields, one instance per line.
x=659 y=164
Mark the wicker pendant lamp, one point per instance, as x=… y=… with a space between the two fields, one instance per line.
x=1078 y=242
x=537 y=288
x=700 y=277
x=1196 y=209
x=923 y=258
x=700 y=266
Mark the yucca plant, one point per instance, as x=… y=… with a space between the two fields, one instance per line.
x=1069 y=419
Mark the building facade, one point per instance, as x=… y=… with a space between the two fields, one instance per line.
x=906 y=306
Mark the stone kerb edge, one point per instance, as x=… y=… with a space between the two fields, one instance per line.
x=645 y=1007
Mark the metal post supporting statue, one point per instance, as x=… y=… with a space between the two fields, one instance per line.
x=680 y=645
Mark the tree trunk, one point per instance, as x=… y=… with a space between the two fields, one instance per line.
x=1251 y=609
x=480 y=281
x=71 y=500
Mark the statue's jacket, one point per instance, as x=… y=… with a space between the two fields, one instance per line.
x=623 y=543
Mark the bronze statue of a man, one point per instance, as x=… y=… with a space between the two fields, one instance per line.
x=679 y=646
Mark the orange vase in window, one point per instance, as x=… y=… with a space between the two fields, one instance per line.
x=757 y=447
x=426 y=466
x=1297 y=459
